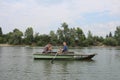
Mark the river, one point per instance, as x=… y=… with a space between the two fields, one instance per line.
x=17 y=63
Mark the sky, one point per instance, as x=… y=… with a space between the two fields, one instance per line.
x=98 y=16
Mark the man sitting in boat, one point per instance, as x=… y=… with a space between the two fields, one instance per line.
x=65 y=48
x=48 y=48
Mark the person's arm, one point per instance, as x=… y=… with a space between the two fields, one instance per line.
x=64 y=48
x=50 y=49
x=45 y=49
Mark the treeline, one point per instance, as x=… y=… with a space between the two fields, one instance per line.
x=73 y=37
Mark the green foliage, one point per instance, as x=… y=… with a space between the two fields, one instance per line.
x=110 y=41
x=72 y=40
x=1 y=31
x=60 y=36
x=15 y=37
x=29 y=36
x=1 y=40
x=73 y=37
x=53 y=38
x=63 y=33
x=80 y=36
x=1 y=36
x=117 y=35
x=43 y=40
x=110 y=34
x=36 y=37
x=90 y=38
x=98 y=41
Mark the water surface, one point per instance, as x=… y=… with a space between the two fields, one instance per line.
x=17 y=63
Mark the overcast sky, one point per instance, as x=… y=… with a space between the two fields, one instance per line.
x=98 y=16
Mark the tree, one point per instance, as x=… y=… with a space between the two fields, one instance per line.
x=1 y=35
x=90 y=38
x=53 y=38
x=73 y=37
x=110 y=34
x=63 y=33
x=29 y=36
x=43 y=40
x=1 y=31
x=80 y=36
x=1 y=40
x=98 y=41
x=15 y=37
x=117 y=34
x=107 y=36
x=110 y=41
x=36 y=37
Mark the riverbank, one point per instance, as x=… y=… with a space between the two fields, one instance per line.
x=6 y=45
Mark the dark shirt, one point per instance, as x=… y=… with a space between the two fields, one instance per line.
x=46 y=49
x=65 y=49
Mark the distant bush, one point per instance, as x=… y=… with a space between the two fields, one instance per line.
x=110 y=41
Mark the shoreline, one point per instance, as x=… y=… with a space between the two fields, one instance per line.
x=5 y=45
x=9 y=45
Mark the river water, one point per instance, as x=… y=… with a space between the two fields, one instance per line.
x=17 y=63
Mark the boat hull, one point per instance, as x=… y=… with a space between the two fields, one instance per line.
x=63 y=56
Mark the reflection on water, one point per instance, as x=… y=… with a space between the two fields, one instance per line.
x=17 y=63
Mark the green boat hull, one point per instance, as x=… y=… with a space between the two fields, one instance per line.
x=66 y=56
